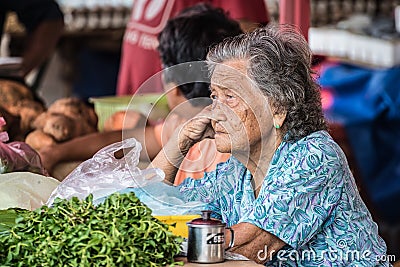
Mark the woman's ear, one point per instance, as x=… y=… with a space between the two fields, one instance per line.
x=279 y=113
x=279 y=119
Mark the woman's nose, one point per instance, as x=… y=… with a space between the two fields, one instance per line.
x=218 y=104
x=217 y=111
x=218 y=116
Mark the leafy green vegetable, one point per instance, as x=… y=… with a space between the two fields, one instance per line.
x=7 y=219
x=119 y=232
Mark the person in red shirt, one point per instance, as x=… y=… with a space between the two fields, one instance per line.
x=139 y=58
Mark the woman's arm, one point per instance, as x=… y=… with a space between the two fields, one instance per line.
x=254 y=242
x=170 y=158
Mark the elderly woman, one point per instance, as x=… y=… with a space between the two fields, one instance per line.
x=287 y=190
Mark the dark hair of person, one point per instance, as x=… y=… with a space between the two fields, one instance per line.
x=187 y=38
x=279 y=64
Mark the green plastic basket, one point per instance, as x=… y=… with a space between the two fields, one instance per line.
x=153 y=105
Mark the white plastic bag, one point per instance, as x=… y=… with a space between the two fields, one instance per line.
x=104 y=174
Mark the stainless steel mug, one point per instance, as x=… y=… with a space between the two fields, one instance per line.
x=206 y=241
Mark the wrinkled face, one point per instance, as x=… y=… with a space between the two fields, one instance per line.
x=241 y=113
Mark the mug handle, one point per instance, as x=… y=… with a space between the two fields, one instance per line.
x=232 y=241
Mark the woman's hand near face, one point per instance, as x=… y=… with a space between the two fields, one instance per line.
x=195 y=130
x=183 y=138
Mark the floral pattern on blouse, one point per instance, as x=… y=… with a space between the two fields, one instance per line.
x=308 y=199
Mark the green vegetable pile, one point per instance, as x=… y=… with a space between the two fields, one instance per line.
x=119 y=232
x=7 y=219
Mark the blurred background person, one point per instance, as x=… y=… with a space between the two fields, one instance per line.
x=186 y=38
x=44 y=23
x=139 y=59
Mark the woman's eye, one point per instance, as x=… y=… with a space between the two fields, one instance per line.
x=213 y=97
x=231 y=99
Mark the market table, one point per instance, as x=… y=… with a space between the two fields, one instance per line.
x=227 y=263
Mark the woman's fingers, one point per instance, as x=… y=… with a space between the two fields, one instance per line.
x=196 y=127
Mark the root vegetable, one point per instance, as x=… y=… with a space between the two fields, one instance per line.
x=28 y=110
x=65 y=119
x=60 y=127
x=11 y=92
x=12 y=126
x=74 y=109
x=38 y=139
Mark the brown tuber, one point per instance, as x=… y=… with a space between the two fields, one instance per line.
x=38 y=139
x=65 y=119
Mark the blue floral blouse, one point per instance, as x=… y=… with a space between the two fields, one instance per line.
x=308 y=199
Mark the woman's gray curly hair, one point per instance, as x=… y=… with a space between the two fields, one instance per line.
x=279 y=63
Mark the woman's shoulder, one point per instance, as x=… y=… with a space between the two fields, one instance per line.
x=325 y=143
x=319 y=144
x=319 y=138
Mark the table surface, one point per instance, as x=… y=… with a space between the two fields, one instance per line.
x=228 y=263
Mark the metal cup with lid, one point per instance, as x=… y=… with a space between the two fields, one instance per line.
x=206 y=241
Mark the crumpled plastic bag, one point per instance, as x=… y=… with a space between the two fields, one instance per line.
x=105 y=174
x=18 y=156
